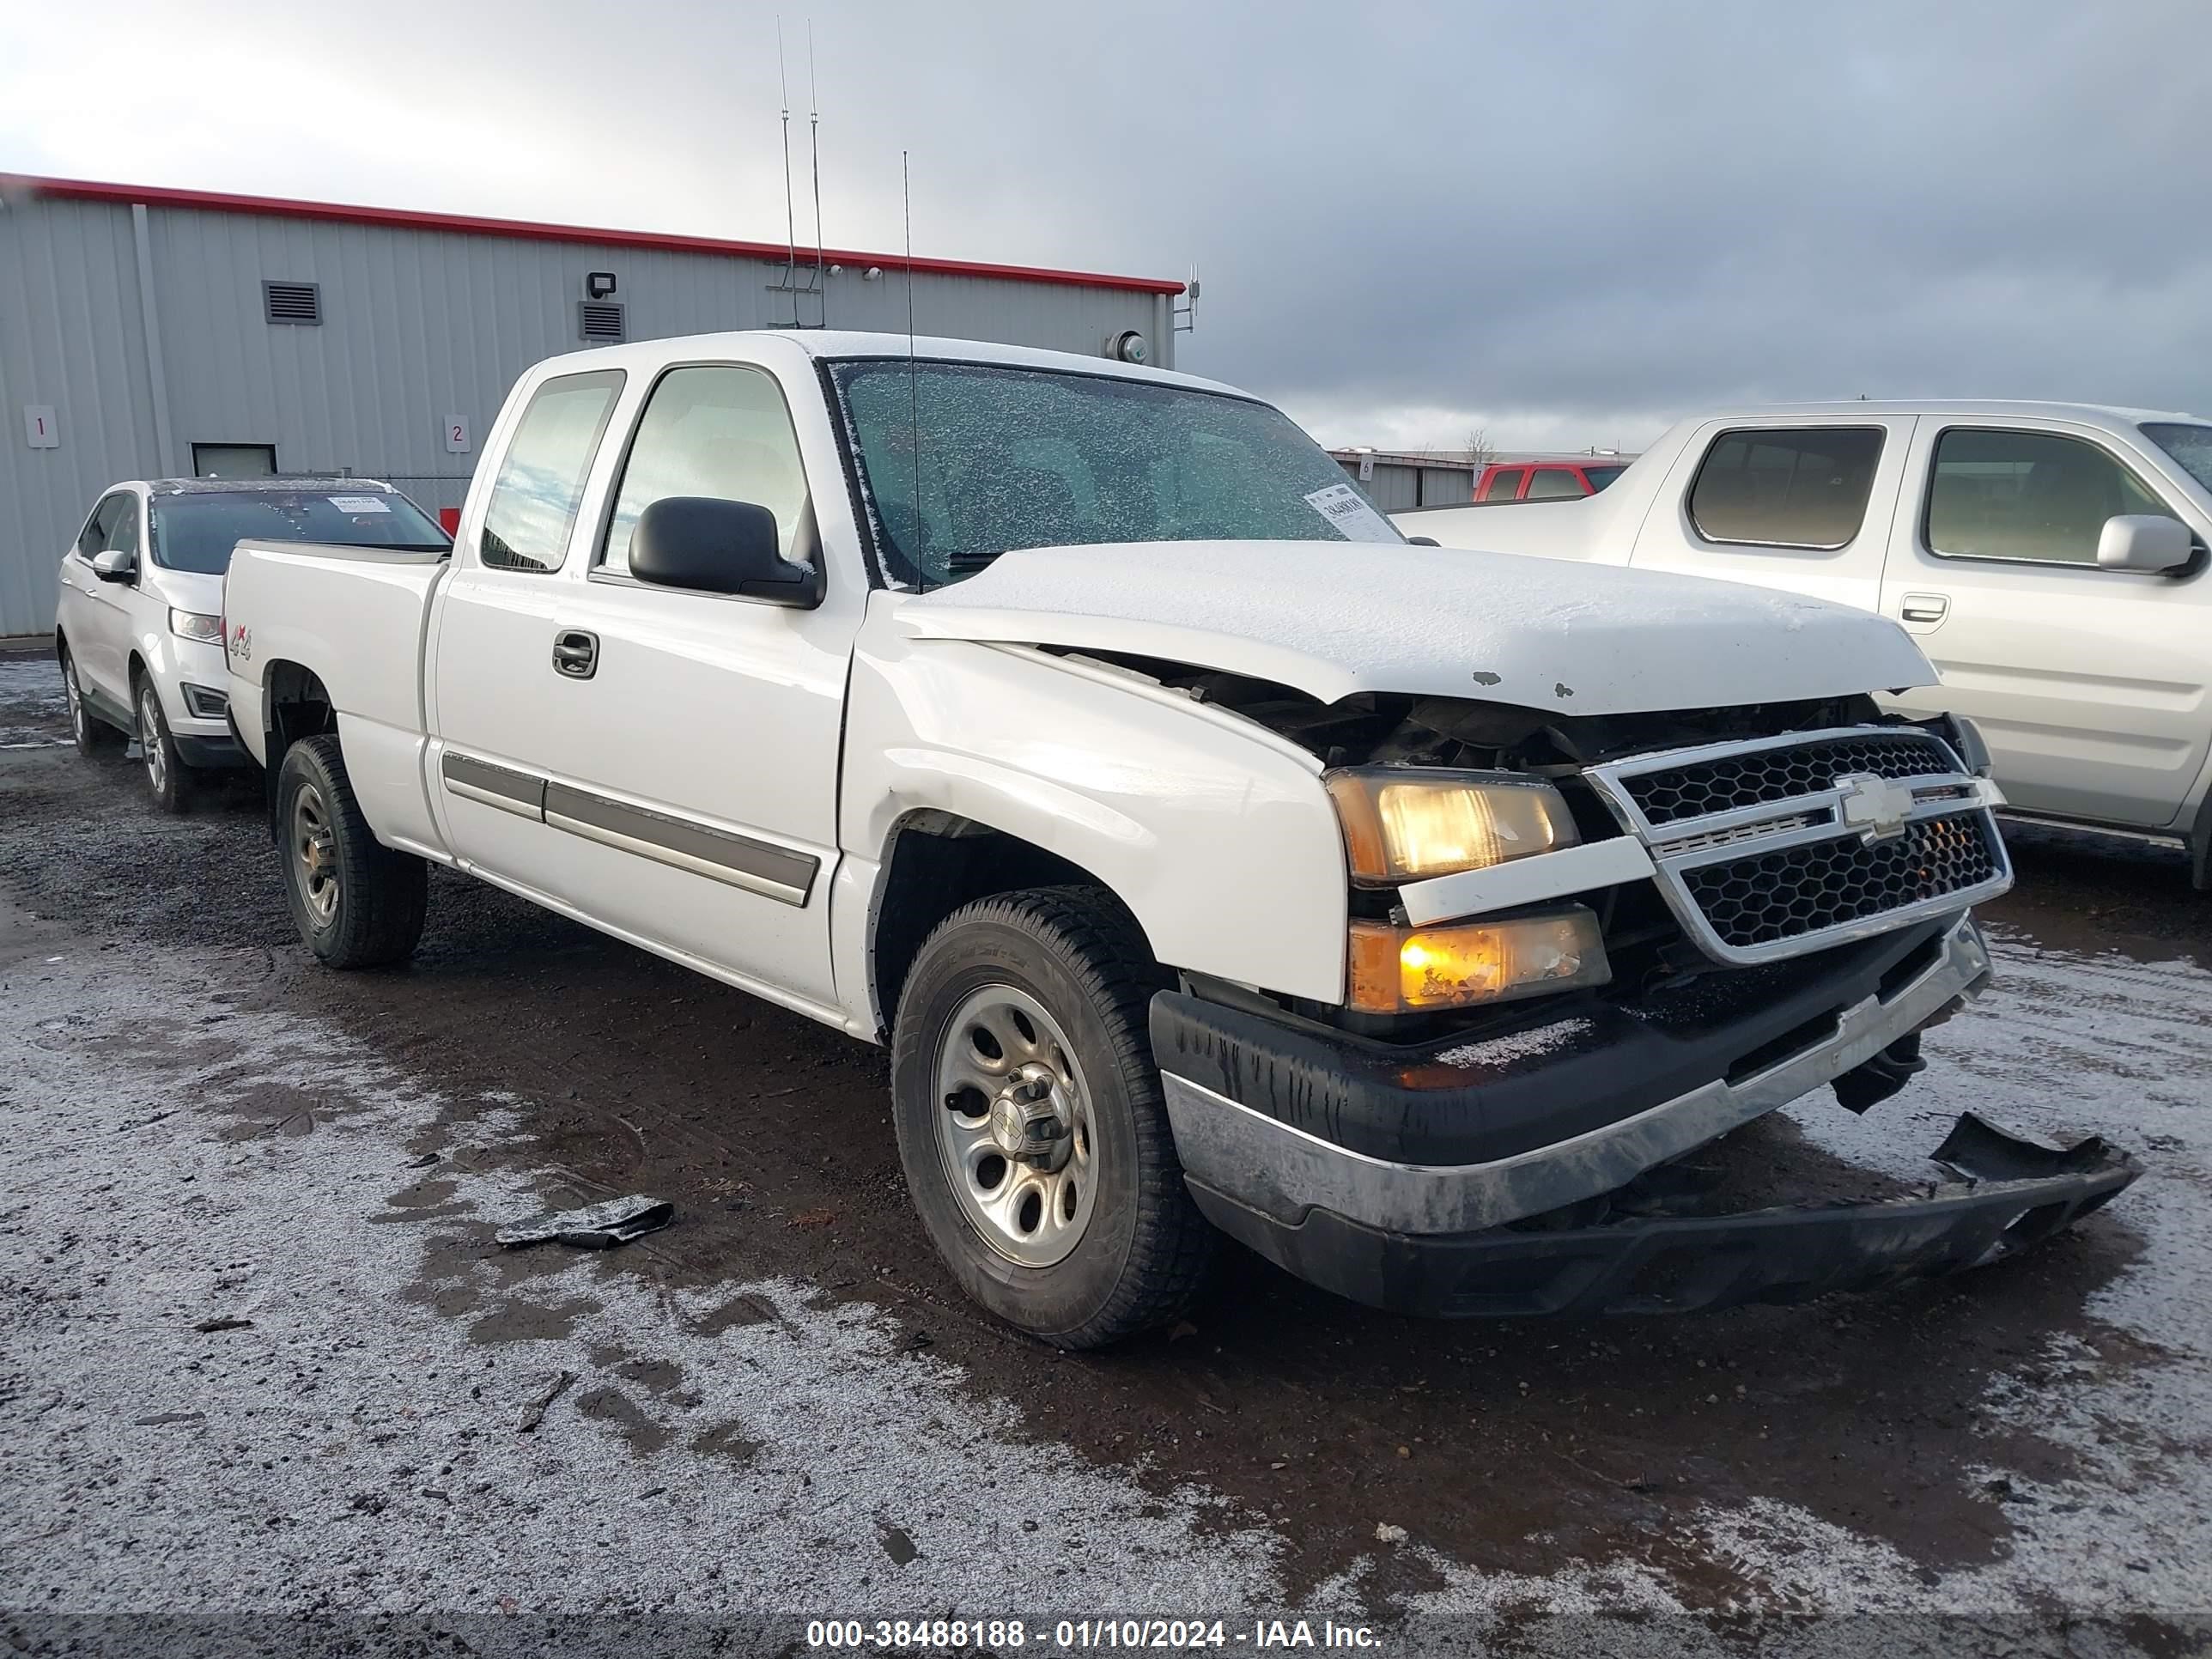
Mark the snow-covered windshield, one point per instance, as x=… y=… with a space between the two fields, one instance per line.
x=2188 y=443
x=1012 y=458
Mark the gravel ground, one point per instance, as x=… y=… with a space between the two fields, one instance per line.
x=261 y=1355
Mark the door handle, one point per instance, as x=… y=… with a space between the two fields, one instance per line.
x=1925 y=607
x=575 y=653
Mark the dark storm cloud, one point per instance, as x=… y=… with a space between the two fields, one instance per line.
x=1647 y=208
x=1572 y=213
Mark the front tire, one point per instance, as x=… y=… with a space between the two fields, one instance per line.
x=94 y=736
x=1031 y=1122
x=357 y=903
x=171 y=780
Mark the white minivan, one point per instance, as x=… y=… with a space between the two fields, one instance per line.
x=139 y=625
x=2051 y=559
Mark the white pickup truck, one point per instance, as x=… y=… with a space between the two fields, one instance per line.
x=2051 y=559
x=1208 y=857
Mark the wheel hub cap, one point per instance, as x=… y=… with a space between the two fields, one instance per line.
x=1029 y=1122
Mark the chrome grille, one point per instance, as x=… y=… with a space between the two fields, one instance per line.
x=1823 y=884
x=1776 y=846
x=1782 y=774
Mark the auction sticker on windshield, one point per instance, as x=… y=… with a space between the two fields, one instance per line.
x=1347 y=509
x=358 y=504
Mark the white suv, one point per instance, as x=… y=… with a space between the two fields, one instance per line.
x=139 y=627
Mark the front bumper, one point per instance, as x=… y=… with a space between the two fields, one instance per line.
x=1387 y=1175
x=1287 y=1121
x=2012 y=1195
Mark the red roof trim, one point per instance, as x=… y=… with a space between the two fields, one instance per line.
x=401 y=219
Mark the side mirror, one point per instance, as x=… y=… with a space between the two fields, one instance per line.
x=115 y=565
x=1423 y=541
x=2144 y=541
x=713 y=546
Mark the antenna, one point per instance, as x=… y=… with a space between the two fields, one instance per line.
x=814 y=133
x=913 y=385
x=790 y=220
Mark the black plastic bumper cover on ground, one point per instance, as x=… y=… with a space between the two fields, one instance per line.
x=2011 y=1193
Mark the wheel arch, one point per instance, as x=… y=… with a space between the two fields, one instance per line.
x=294 y=705
x=934 y=863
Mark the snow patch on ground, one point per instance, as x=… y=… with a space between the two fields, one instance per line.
x=354 y=1449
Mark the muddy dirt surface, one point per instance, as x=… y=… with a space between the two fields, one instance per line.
x=204 y=1126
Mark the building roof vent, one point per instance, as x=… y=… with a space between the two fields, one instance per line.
x=600 y=321
x=292 y=302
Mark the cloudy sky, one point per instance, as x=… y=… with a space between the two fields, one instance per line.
x=1561 y=225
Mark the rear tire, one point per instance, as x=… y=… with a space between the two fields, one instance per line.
x=172 y=782
x=94 y=736
x=1065 y=973
x=357 y=903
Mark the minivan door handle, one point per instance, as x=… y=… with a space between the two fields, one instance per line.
x=576 y=654
x=1925 y=607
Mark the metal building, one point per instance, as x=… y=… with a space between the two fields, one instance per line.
x=149 y=333
x=1397 y=479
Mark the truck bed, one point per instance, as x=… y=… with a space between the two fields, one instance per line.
x=359 y=615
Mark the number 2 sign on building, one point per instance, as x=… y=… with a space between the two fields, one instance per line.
x=40 y=430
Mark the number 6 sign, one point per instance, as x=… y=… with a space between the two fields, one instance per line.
x=457 y=436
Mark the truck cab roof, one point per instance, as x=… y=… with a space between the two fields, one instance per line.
x=831 y=344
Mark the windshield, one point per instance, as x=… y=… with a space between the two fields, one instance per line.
x=1600 y=477
x=1037 y=457
x=197 y=531
x=2190 y=444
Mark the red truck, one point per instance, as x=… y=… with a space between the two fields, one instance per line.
x=1549 y=479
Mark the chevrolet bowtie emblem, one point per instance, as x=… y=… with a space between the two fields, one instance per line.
x=1875 y=807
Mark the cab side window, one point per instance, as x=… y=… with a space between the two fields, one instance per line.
x=1505 y=485
x=532 y=511
x=718 y=430
x=1787 y=487
x=1552 y=483
x=2026 y=496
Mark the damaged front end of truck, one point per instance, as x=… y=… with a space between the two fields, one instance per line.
x=1779 y=897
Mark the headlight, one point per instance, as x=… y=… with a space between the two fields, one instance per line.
x=1401 y=970
x=1404 y=824
x=191 y=625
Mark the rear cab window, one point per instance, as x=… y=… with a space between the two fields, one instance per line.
x=2041 y=497
x=532 y=511
x=1804 y=486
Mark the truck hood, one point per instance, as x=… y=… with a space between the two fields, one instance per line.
x=1334 y=618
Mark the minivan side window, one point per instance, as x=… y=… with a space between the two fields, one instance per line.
x=1552 y=483
x=2033 y=495
x=533 y=507
x=1787 y=487
x=1505 y=485
x=719 y=430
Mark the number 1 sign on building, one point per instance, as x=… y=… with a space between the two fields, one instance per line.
x=40 y=430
